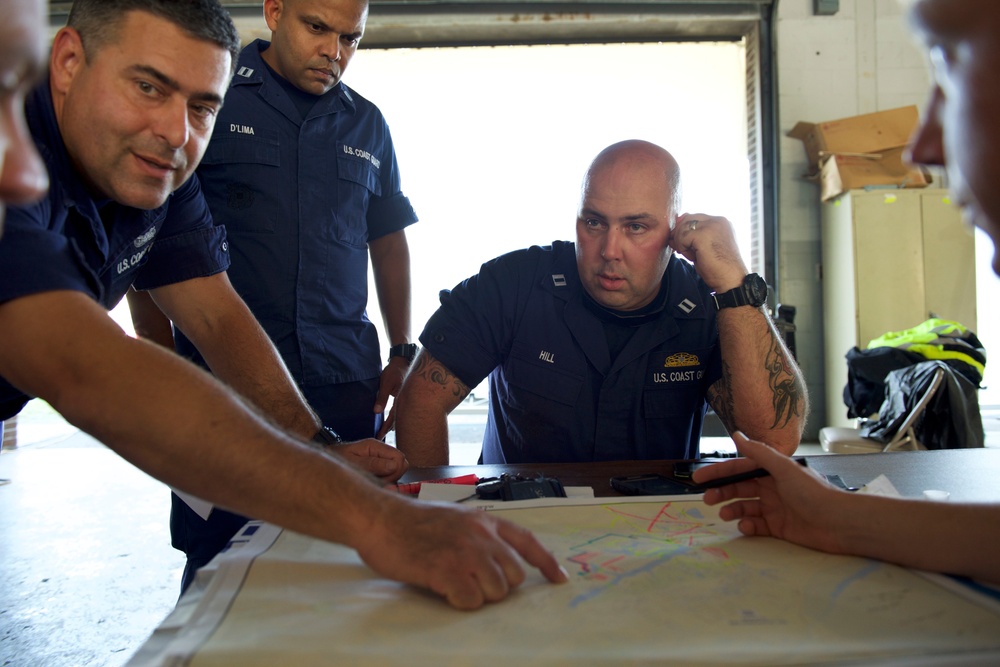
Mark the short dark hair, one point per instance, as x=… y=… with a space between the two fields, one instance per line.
x=98 y=21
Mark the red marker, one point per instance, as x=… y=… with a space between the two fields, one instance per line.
x=413 y=488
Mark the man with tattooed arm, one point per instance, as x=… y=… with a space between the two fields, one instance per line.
x=612 y=347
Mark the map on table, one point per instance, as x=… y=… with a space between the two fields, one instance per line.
x=657 y=581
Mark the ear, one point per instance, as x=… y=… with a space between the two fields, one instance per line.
x=272 y=13
x=67 y=59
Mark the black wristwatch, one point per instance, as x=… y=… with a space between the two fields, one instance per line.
x=753 y=292
x=327 y=437
x=405 y=350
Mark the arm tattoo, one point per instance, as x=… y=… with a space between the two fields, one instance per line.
x=786 y=388
x=720 y=397
x=432 y=370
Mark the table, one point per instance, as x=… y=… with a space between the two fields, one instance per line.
x=652 y=582
x=969 y=475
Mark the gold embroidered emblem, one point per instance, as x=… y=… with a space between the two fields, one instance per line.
x=681 y=359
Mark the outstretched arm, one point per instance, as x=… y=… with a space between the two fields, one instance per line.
x=236 y=348
x=430 y=392
x=244 y=357
x=794 y=504
x=761 y=391
x=186 y=429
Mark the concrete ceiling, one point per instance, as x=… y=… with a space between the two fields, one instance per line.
x=472 y=22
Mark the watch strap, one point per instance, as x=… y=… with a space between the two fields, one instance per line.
x=326 y=437
x=405 y=350
x=732 y=299
x=752 y=292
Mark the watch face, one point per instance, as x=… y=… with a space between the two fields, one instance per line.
x=756 y=289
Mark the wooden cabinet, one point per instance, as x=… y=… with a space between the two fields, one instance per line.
x=891 y=259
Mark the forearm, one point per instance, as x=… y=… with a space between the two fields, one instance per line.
x=762 y=392
x=237 y=349
x=175 y=422
x=245 y=359
x=797 y=505
x=429 y=394
x=422 y=435
x=391 y=269
x=148 y=321
x=935 y=536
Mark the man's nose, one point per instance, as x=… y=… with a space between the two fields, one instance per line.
x=331 y=49
x=612 y=244
x=927 y=144
x=173 y=124
x=23 y=178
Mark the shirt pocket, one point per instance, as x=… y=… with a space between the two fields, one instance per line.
x=542 y=385
x=241 y=178
x=357 y=182
x=671 y=404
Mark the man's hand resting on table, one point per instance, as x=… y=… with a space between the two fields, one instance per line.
x=373 y=456
x=464 y=555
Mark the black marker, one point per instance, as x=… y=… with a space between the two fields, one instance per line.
x=744 y=476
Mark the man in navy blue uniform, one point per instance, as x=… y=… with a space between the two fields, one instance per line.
x=609 y=348
x=302 y=174
x=121 y=122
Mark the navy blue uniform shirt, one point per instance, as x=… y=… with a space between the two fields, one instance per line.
x=300 y=199
x=72 y=241
x=556 y=395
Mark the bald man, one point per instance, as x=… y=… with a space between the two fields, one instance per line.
x=613 y=347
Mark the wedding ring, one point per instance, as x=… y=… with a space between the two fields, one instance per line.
x=694 y=225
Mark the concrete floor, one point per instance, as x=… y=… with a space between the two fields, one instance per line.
x=86 y=567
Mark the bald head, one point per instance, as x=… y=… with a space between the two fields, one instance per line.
x=627 y=162
x=629 y=203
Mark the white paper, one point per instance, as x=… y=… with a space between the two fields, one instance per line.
x=880 y=486
x=201 y=507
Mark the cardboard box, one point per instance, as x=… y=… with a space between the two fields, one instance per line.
x=839 y=173
x=861 y=151
x=865 y=134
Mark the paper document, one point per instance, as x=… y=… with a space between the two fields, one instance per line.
x=201 y=507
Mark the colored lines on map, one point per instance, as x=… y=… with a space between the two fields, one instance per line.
x=638 y=543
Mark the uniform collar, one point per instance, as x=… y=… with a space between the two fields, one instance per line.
x=250 y=70
x=686 y=300
x=683 y=300
x=564 y=280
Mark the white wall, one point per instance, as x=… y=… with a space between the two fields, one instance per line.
x=862 y=59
